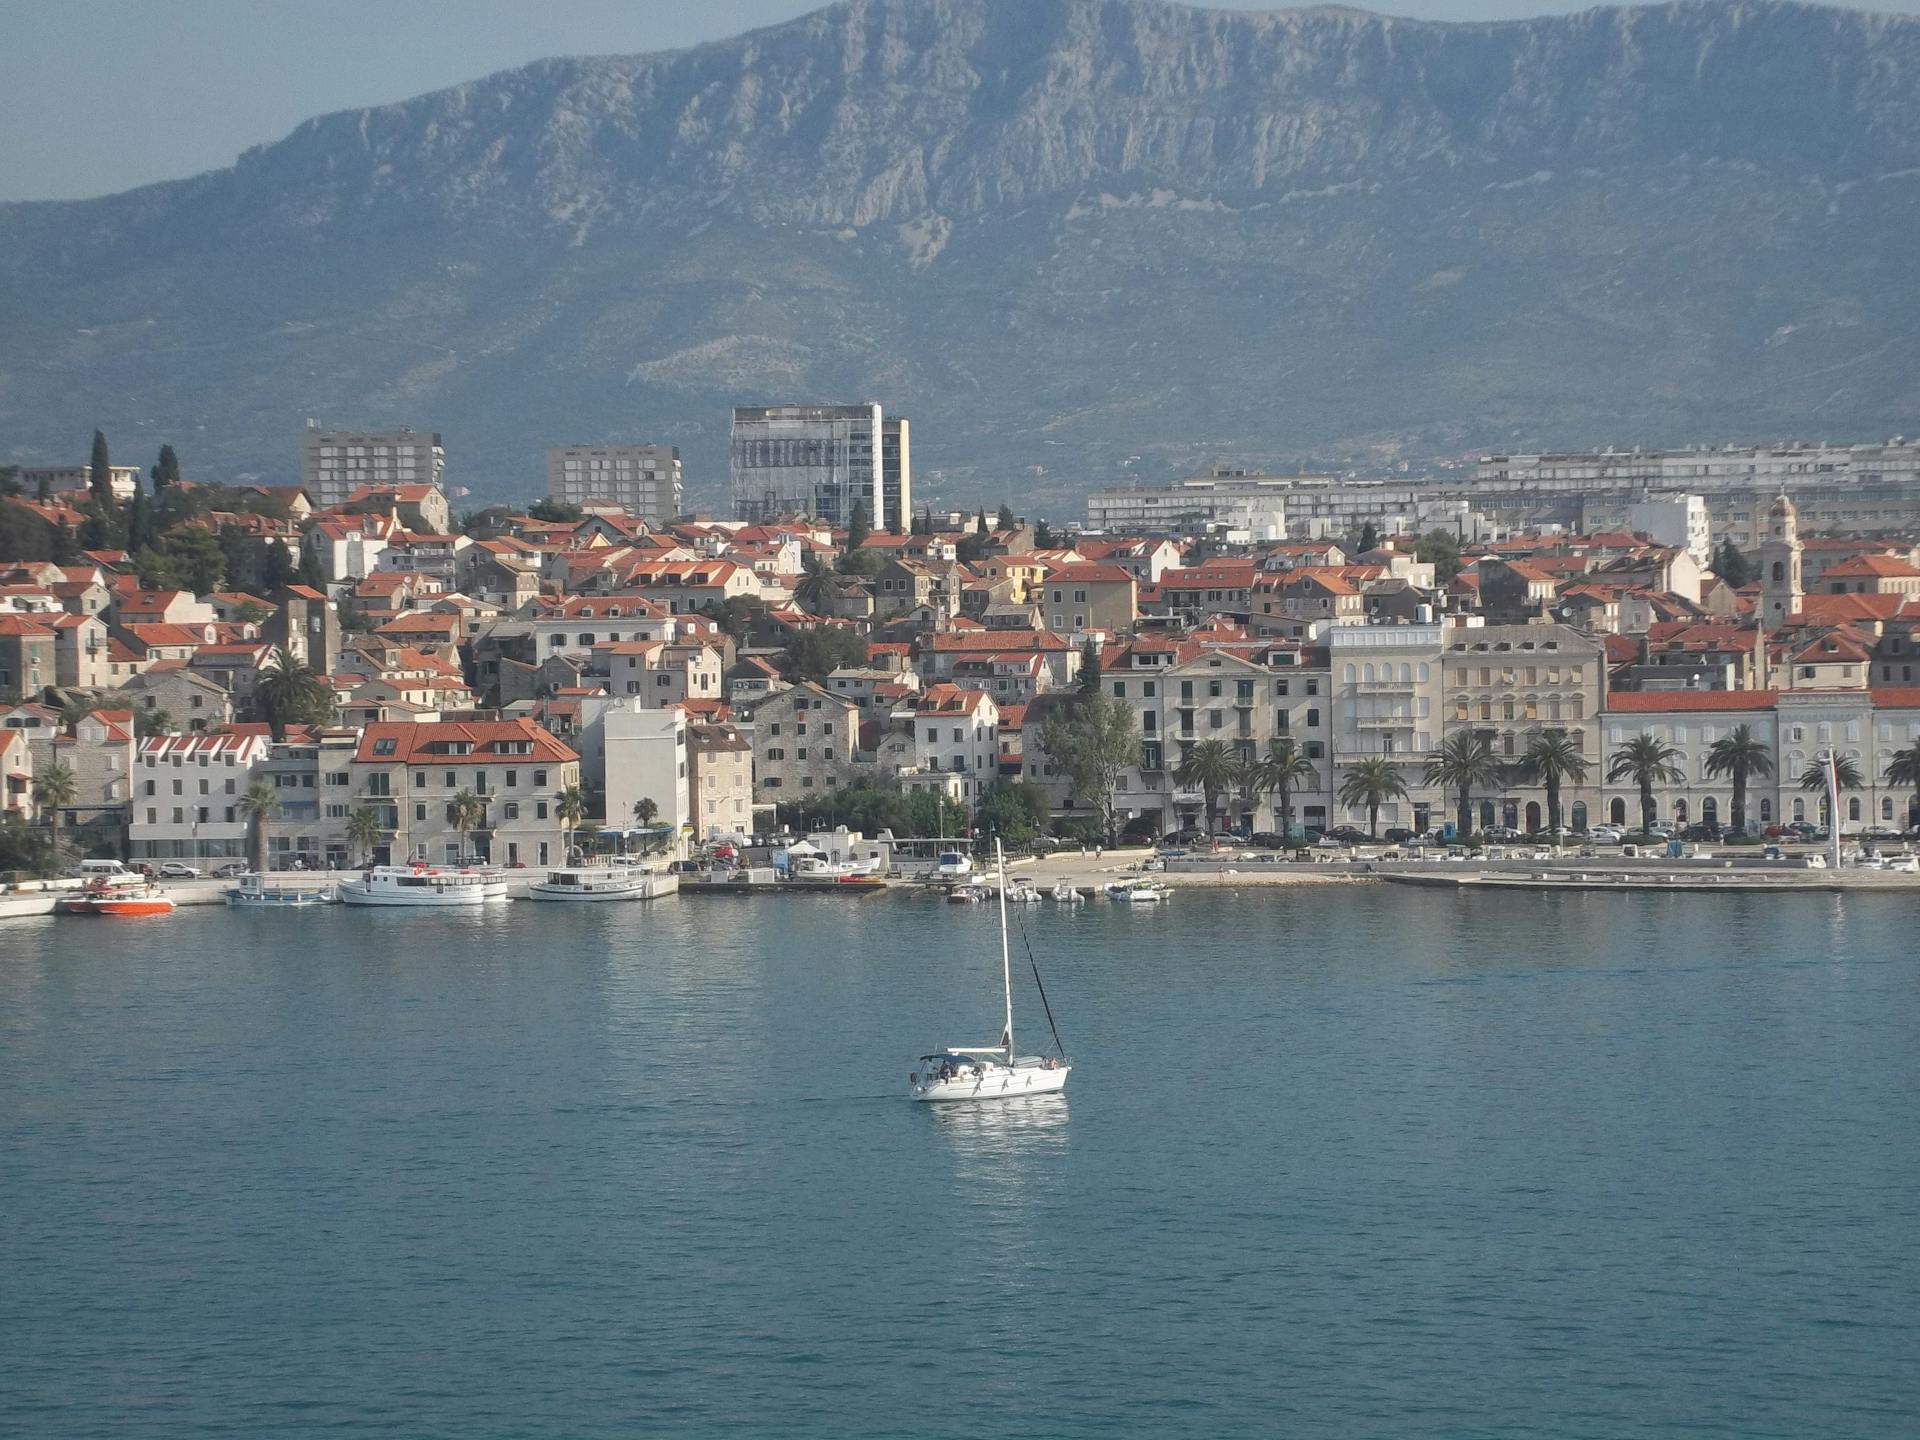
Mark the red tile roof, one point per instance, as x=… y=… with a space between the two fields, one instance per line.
x=1631 y=702
x=413 y=743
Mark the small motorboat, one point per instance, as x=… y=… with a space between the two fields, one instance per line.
x=256 y=892
x=1022 y=892
x=119 y=895
x=1067 y=894
x=610 y=881
x=1138 y=892
x=968 y=894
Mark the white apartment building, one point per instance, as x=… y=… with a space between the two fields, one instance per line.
x=186 y=801
x=958 y=731
x=1387 y=696
x=646 y=759
x=643 y=480
x=335 y=463
x=76 y=479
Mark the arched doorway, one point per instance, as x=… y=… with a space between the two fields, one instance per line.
x=1533 y=816
x=1766 y=812
x=1617 y=811
x=1710 y=811
x=1579 y=815
x=1486 y=814
x=1679 y=812
x=1510 y=814
x=1853 y=808
x=1799 y=810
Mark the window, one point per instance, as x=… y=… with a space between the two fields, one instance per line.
x=539 y=779
x=1313 y=718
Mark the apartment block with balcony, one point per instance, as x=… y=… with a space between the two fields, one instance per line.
x=643 y=480
x=336 y=463
x=186 y=800
x=411 y=773
x=1388 y=687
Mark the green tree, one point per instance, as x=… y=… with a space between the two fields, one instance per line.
x=365 y=832
x=1903 y=768
x=1647 y=761
x=555 y=512
x=55 y=788
x=1372 y=782
x=9 y=481
x=1006 y=520
x=26 y=848
x=1093 y=742
x=1552 y=759
x=25 y=536
x=312 y=575
x=467 y=812
x=288 y=692
x=166 y=469
x=733 y=615
x=1463 y=763
x=66 y=545
x=1369 y=538
x=1284 y=769
x=139 y=521
x=1043 y=536
x=196 y=557
x=1733 y=567
x=569 y=808
x=864 y=563
x=980 y=526
x=1441 y=550
x=1742 y=755
x=1212 y=768
x=1014 y=811
x=1089 y=668
x=816 y=654
x=259 y=804
x=100 y=475
x=859 y=525
x=152 y=722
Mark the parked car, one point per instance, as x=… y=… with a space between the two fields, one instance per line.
x=231 y=869
x=1349 y=835
x=1267 y=839
x=1400 y=835
x=1188 y=836
x=1706 y=830
x=1500 y=832
x=178 y=870
x=1606 y=835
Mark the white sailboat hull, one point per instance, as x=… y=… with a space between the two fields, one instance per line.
x=355 y=893
x=998 y=1083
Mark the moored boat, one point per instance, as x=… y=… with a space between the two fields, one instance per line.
x=1138 y=892
x=1065 y=893
x=127 y=895
x=414 y=885
x=611 y=881
x=255 y=892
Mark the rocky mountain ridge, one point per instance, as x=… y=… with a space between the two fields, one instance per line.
x=1058 y=233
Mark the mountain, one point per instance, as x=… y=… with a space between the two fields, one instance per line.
x=1057 y=233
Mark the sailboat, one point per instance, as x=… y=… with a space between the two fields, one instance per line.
x=991 y=1072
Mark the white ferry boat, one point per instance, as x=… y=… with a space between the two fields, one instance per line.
x=417 y=885
x=612 y=881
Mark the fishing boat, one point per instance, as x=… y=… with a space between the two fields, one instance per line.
x=1066 y=893
x=1138 y=892
x=255 y=892
x=119 y=895
x=818 y=870
x=611 y=881
x=952 y=865
x=992 y=1072
x=493 y=883
x=414 y=885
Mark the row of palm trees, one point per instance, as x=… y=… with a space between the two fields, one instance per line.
x=1465 y=764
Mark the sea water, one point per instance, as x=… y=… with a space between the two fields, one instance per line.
x=1333 y=1161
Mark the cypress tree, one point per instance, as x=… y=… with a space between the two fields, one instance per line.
x=166 y=470
x=100 y=480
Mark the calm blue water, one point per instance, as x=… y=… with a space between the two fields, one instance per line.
x=1338 y=1161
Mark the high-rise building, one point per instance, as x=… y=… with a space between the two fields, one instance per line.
x=896 y=472
x=335 y=463
x=643 y=480
x=816 y=460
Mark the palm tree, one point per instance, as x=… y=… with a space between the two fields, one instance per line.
x=569 y=808
x=1465 y=762
x=468 y=812
x=53 y=788
x=259 y=804
x=1904 y=769
x=645 y=812
x=817 y=590
x=1846 y=776
x=1741 y=754
x=1211 y=767
x=364 y=830
x=1647 y=761
x=1284 y=767
x=1372 y=783
x=288 y=690
x=1552 y=758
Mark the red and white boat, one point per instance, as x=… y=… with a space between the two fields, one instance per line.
x=127 y=894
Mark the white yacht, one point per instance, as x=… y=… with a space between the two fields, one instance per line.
x=614 y=880
x=417 y=885
x=952 y=865
x=992 y=1072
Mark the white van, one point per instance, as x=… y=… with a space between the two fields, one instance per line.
x=91 y=869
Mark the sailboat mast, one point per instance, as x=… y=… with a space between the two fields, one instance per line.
x=1006 y=954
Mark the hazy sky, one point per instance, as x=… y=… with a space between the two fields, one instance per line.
x=100 y=95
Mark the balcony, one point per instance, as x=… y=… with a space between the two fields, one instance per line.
x=1383 y=722
x=1384 y=687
